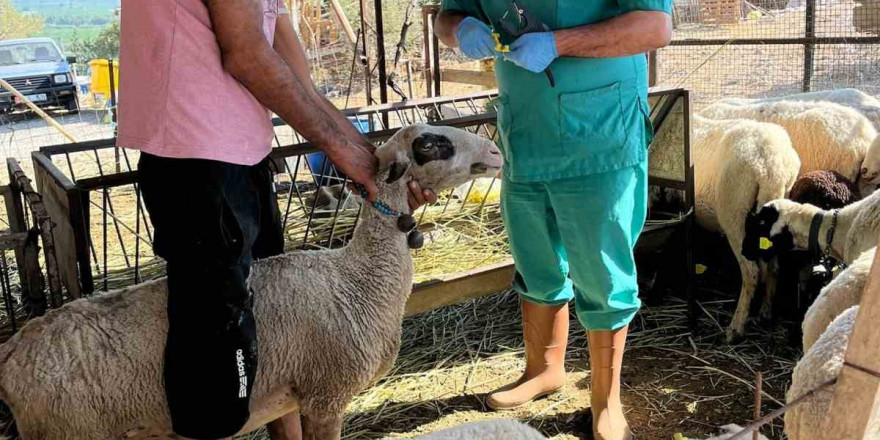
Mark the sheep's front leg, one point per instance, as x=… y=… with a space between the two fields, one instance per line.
x=287 y=427
x=769 y=271
x=749 y=272
x=322 y=424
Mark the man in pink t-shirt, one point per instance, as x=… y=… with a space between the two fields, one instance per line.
x=199 y=78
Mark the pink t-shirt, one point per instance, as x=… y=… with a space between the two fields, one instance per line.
x=175 y=98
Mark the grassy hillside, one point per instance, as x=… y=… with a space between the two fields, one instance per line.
x=73 y=6
x=67 y=20
x=65 y=35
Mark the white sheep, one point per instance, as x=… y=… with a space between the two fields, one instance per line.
x=865 y=104
x=738 y=165
x=819 y=365
x=855 y=99
x=870 y=172
x=328 y=322
x=728 y=431
x=826 y=136
x=485 y=430
x=783 y=225
x=843 y=292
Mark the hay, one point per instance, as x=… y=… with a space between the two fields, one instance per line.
x=674 y=381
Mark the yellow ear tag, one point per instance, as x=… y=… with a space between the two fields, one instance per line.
x=700 y=269
x=765 y=243
x=678 y=436
x=503 y=48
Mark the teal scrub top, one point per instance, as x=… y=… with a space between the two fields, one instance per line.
x=596 y=118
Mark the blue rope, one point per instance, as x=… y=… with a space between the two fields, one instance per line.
x=378 y=205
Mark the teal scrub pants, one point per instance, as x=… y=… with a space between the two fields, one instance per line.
x=573 y=239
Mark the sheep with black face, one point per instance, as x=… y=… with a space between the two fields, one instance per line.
x=328 y=322
x=782 y=225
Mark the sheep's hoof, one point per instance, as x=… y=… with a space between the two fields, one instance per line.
x=733 y=336
x=415 y=239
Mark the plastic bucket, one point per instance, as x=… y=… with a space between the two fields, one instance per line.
x=100 y=76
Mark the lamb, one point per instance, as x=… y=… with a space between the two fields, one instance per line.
x=783 y=225
x=740 y=165
x=826 y=136
x=827 y=190
x=844 y=291
x=328 y=322
x=485 y=430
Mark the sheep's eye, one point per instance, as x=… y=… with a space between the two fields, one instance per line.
x=427 y=147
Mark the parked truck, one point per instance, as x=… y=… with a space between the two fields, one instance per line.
x=37 y=68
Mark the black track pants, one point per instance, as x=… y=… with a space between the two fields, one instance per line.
x=210 y=219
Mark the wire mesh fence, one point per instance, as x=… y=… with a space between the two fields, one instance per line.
x=318 y=212
x=724 y=48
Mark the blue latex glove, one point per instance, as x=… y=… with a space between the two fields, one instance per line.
x=475 y=39
x=534 y=51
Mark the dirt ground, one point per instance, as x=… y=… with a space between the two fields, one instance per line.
x=674 y=381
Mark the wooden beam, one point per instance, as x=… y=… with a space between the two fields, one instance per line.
x=857 y=393
x=455 y=288
x=55 y=197
x=486 y=79
x=27 y=257
x=343 y=20
x=12 y=240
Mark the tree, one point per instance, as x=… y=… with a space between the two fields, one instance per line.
x=105 y=45
x=14 y=24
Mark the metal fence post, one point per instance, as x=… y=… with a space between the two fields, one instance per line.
x=809 y=46
x=380 y=58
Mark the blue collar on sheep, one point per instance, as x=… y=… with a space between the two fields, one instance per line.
x=405 y=222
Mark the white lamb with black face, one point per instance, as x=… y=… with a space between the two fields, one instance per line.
x=738 y=165
x=782 y=225
x=328 y=322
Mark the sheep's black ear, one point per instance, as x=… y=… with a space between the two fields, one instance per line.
x=397 y=170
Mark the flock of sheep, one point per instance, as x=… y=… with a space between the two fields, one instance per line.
x=764 y=171
x=92 y=369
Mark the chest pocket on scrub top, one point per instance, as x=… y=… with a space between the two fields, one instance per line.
x=593 y=119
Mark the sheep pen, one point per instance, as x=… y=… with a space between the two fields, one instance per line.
x=659 y=398
x=460 y=352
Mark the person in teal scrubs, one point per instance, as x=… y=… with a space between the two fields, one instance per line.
x=574 y=194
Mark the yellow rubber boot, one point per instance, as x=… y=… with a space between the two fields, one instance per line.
x=606 y=358
x=545 y=331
